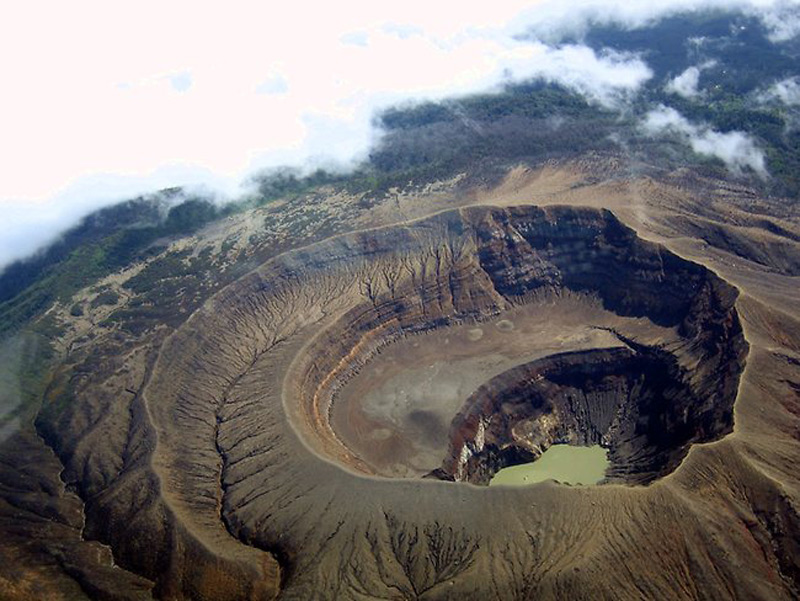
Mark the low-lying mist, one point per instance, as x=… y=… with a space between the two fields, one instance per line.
x=530 y=83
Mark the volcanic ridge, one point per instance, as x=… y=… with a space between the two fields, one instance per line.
x=317 y=428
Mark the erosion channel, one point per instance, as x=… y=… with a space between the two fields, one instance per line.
x=340 y=400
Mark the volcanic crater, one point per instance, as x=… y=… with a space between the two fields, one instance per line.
x=319 y=408
x=480 y=337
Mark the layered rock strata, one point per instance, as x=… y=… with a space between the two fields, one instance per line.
x=208 y=464
x=651 y=403
x=636 y=402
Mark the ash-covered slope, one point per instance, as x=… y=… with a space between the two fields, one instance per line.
x=216 y=475
x=167 y=409
x=493 y=260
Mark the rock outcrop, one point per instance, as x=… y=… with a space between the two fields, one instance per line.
x=636 y=401
x=647 y=405
x=207 y=461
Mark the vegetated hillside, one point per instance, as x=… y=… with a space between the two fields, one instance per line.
x=101 y=243
x=737 y=63
x=422 y=143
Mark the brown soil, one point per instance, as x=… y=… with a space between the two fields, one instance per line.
x=200 y=460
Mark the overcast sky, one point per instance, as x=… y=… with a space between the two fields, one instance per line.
x=104 y=100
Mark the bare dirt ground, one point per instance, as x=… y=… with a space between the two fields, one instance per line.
x=395 y=413
x=185 y=455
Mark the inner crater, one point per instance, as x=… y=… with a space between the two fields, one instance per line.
x=481 y=337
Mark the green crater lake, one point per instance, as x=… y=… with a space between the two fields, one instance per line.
x=562 y=462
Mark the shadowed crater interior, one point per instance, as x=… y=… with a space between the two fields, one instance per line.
x=480 y=337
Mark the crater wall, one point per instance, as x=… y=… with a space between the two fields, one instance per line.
x=225 y=468
x=654 y=400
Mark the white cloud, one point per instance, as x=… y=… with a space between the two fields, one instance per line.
x=181 y=92
x=685 y=84
x=782 y=19
x=554 y=19
x=274 y=84
x=736 y=149
x=786 y=91
x=174 y=94
x=606 y=78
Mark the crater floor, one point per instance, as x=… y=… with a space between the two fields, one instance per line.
x=395 y=414
x=482 y=348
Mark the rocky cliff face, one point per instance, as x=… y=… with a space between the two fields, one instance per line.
x=208 y=462
x=636 y=402
x=646 y=404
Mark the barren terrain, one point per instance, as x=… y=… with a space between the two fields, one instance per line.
x=273 y=442
x=397 y=410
